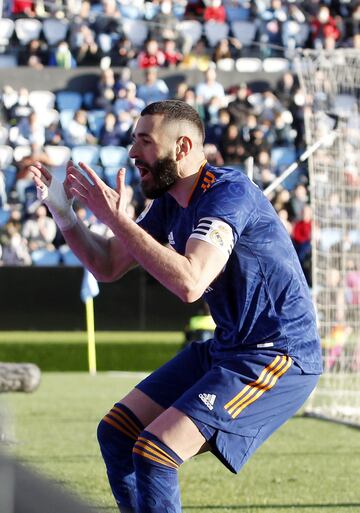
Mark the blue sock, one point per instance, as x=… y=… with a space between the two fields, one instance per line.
x=117 y=433
x=156 y=468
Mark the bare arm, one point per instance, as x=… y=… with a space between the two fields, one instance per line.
x=187 y=275
x=106 y=259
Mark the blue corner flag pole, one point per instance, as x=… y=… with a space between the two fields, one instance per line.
x=90 y=289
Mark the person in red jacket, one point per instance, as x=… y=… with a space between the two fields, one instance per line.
x=215 y=11
x=152 y=56
x=324 y=27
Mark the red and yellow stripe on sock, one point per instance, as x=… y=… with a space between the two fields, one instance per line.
x=253 y=391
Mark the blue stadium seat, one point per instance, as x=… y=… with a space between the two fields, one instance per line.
x=87 y=153
x=4 y=217
x=68 y=100
x=114 y=156
x=46 y=258
x=10 y=178
x=110 y=174
x=68 y=257
x=96 y=120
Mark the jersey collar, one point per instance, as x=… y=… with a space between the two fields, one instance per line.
x=198 y=186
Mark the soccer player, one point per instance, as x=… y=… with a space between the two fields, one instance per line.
x=209 y=232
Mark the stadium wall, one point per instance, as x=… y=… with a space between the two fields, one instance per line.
x=84 y=79
x=48 y=298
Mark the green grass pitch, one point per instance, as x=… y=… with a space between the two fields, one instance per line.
x=308 y=466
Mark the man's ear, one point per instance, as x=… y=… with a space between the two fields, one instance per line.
x=183 y=147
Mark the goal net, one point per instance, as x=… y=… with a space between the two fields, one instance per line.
x=331 y=82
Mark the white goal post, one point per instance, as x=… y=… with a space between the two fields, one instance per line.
x=331 y=82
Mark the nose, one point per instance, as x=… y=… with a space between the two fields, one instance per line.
x=132 y=151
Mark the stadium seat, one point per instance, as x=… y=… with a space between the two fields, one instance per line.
x=237 y=12
x=110 y=174
x=344 y=105
x=6 y=156
x=275 y=65
x=50 y=116
x=10 y=173
x=8 y=60
x=55 y=30
x=87 y=153
x=68 y=257
x=136 y=31
x=244 y=31
x=226 y=64
x=21 y=151
x=7 y=28
x=27 y=29
x=41 y=100
x=329 y=237
x=4 y=216
x=44 y=257
x=58 y=155
x=68 y=100
x=96 y=120
x=294 y=34
x=248 y=65
x=66 y=116
x=114 y=156
x=190 y=30
x=215 y=31
x=282 y=157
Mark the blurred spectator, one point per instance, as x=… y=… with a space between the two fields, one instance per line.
x=198 y=58
x=105 y=90
x=111 y=133
x=16 y=104
x=3 y=194
x=35 y=54
x=122 y=52
x=194 y=10
x=107 y=25
x=62 y=56
x=214 y=11
x=154 y=89
x=213 y=155
x=39 y=230
x=151 y=56
x=227 y=48
x=83 y=45
x=78 y=132
x=29 y=131
x=299 y=198
x=323 y=26
x=231 y=148
x=14 y=247
x=209 y=88
x=127 y=101
x=172 y=55
x=302 y=234
x=23 y=8
x=240 y=106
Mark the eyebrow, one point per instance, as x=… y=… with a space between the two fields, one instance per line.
x=141 y=134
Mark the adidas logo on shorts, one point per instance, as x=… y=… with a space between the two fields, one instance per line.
x=208 y=400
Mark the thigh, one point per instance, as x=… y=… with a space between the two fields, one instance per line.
x=158 y=391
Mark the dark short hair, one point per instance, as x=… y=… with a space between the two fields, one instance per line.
x=176 y=110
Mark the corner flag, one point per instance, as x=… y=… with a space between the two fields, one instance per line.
x=90 y=289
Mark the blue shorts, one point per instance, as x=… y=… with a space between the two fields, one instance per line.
x=236 y=401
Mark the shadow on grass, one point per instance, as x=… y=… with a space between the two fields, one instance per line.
x=250 y=507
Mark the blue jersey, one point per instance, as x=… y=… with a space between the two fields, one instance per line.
x=260 y=301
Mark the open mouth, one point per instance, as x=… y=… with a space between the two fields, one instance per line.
x=144 y=171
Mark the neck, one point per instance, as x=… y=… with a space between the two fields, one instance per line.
x=181 y=191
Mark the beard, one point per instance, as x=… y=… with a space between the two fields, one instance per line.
x=164 y=174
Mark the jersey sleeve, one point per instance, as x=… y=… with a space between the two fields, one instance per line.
x=151 y=220
x=232 y=203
